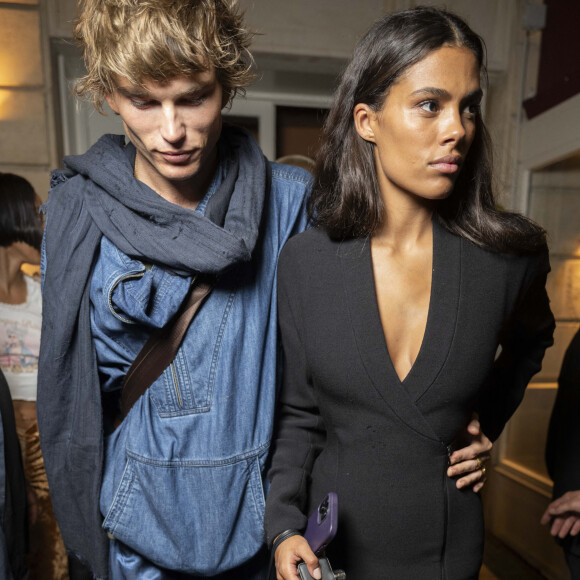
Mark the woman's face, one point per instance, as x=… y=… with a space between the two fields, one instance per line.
x=427 y=123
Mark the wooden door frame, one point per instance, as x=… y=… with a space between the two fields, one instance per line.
x=262 y=105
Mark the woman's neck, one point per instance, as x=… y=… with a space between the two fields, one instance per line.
x=12 y=281
x=406 y=225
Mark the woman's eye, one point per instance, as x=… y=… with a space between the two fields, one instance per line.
x=473 y=109
x=429 y=106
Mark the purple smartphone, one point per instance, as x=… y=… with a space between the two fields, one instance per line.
x=322 y=523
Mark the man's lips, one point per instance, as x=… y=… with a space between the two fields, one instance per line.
x=176 y=156
x=447 y=164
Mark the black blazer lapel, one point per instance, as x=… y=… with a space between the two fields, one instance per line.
x=358 y=282
x=443 y=312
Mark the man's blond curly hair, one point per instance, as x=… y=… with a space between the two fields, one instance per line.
x=159 y=40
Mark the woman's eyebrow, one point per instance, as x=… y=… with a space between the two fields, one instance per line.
x=444 y=94
x=432 y=91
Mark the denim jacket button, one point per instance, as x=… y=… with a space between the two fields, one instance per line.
x=110 y=536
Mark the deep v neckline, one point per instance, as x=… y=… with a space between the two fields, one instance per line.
x=442 y=315
x=429 y=308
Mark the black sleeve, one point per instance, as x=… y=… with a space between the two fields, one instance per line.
x=563 y=441
x=300 y=432
x=523 y=343
x=15 y=522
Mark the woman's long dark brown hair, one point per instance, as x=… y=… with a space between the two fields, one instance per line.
x=346 y=199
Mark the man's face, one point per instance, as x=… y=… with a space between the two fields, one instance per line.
x=174 y=127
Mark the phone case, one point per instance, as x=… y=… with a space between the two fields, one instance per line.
x=322 y=523
x=325 y=569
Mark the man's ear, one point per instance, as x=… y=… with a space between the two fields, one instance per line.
x=112 y=102
x=364 y=119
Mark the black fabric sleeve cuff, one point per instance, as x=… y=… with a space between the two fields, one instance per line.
x=284 y=536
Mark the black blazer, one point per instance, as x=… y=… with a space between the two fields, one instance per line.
x=563 y=443
x=348 y=424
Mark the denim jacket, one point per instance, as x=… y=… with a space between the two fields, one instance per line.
x=184 y=473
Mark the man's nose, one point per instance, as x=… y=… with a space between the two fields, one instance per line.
x=172 y=126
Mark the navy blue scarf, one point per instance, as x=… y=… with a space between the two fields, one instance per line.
x=98 y=195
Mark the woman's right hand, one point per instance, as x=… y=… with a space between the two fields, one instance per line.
x=289 y=553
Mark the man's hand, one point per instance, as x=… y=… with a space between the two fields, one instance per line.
x=289 y=553
x=468 y=463
x=564 y=513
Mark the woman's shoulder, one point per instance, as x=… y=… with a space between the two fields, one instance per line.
x=307 y=254
x=310 y=242
x=515 y=269
x=537 y=256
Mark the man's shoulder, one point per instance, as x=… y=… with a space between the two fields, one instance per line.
x=290 y=174
x=290 y=182
x=103 y=157
x=290 y=187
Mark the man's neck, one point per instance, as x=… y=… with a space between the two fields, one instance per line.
x=186 y=193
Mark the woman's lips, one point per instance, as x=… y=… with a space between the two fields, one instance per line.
x=447 y=164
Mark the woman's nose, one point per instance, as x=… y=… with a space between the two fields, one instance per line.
x=453 y=127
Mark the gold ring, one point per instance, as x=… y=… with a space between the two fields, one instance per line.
x=483 y=471
x=479 y=463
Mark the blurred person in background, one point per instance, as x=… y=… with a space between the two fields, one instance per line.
x=20 y=324
x=563 y=459
x=13 y=512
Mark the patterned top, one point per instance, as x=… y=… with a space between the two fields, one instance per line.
x=20 y=342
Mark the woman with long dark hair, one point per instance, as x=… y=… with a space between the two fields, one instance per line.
x=393 y=310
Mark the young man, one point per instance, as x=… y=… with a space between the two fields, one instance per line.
x=177 y=488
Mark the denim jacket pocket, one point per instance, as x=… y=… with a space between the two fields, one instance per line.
x=178 y=393
x=216 y=510
x=187 y=385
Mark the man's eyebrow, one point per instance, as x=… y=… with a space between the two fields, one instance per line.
x=133 y=92
x=143 y=94
x=443 y=94
x=194 y=91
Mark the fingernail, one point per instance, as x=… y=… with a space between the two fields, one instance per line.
x=317 y=574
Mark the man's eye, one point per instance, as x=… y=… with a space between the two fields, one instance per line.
x=194 y=101
x=139 y=104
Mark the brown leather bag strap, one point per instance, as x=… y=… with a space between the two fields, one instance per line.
x=162 y=346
